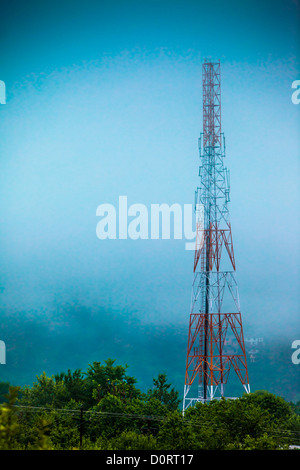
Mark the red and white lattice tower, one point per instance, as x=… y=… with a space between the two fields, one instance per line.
x=215 y=341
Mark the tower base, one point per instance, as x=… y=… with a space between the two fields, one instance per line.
x=213 y=393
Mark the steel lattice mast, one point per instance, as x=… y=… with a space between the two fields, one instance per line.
x=215 y=340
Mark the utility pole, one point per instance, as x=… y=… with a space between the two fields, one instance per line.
x=81 y=427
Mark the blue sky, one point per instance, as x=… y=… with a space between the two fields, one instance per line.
x=104 y=99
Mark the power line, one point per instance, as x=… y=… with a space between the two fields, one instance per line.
x=286 y=432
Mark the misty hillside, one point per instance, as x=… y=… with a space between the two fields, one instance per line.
x=77 y=336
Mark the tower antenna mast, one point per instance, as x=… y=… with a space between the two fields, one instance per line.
x=215 y=340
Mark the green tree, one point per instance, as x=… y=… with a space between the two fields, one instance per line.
x=175 y=434
x=9 y=426
x=163 y=392
x=229 y=424
x=41 y=439
x=117 y=415
x=109 y=379
x=74 y=385
x=131 y=440
x=273 y=404
x=42 y=392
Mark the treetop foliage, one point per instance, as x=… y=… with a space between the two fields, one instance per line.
x=102 y=408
